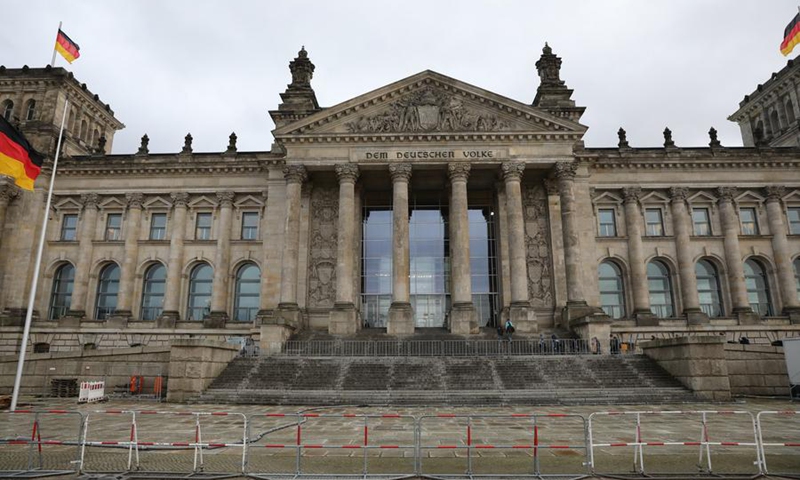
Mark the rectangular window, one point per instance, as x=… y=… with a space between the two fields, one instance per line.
x=654 y=225
x=794 y=220
x=114 y=226
x=608 y=227
x=749 y=223
x=158 y=226
x=69 y=228
x=249 y=225
x=700 y=219
x=202 y=229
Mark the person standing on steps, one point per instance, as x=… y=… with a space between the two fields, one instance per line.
x=509 y=330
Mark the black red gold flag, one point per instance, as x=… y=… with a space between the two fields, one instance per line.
x=791 y=36
x=66 y=47
x=17 y=158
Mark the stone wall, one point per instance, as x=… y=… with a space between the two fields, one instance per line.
x=194 y=364
x=114 y=366
x=756 y=370
x=699 y=363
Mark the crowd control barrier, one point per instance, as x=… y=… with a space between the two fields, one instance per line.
x=46 y=441
x=519 y=435
x=91 y=392
x=669 y=425
x=779 y=440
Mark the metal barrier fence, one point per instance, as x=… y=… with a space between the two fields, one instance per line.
x=264 y=445
x=668 y=434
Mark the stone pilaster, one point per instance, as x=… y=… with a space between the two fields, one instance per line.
x=781 y=253
x=170 y=314
x=401 y=315
x=463 y=319
x=7 y=193
x=633 y=222
x=222 y=259
x=733 y=257
x=80 y=287
x=130 y=259
x=520 y=311
x=343 y=318
x=686 y=268
x=288 y=309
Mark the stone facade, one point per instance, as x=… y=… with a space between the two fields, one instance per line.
x=526 y=219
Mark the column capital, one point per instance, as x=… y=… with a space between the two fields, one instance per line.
x=678 y=194
x=89 y=200
x=400 y=172
x=347 y=172
x=225 y=198
x=295 y=173
x=726 y=193
x=775 y=193
x=134 y=199
x=565 y=170
x=458 y=171
x=179 y=199
x=632 y=194
x=512 y=170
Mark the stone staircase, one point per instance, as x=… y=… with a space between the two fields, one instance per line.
x=468 y=381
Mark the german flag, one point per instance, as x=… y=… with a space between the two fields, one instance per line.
x=17 y=158
x=791 y=36
x=66 y=47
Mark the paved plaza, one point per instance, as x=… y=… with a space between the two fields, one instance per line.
x=502 y=438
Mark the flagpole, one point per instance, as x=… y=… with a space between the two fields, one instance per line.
x=53 y=60
x=29 y=313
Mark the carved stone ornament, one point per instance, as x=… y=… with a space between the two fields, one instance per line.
x=323 y=246
x=565 y=170
x=428 y=110
x=231 y=143
x=678 y=194
x=668 y=143
x=134 y=199
x=187 y=143
x=712 y=135
x=347 y=172
x=400 y=172
x=225 y=199
x=775 y=193
x=512 y=170
x=623 y=138
x=549 y=68
x=458 y=171
x=295 y=173
x=143 y=150
x=726 y=193
x=551 y=186
x=302 y=69
x=89 y=200
x=537 y=246
x=101 y=144
x=632 y=194
x=8 y=192
x=179 y=199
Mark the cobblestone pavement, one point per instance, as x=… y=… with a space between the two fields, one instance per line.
x=334 y=441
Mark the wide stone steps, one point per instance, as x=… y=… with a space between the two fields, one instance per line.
x=533 y=380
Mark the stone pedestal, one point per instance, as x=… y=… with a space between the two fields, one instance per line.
x=794 y=315
x=523 y=317
x=463 y=319
x=167 y=319
x=577 y=310
x=15 y=317
x=645 y=319
x=289 y=314
x=273 y=337
x=697 y=362
x=401 y=319
x=343 y=319
x=695 y=317
x=119 y=319
x=215 y=320
x=746 y=316
x=72 y=319
x=596 y=325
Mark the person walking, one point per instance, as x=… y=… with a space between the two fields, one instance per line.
x=509 y=330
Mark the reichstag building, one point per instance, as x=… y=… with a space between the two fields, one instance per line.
x=426 y=203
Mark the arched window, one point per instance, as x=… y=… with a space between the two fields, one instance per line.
x=61 y=298
x=247 y=293
x=774 y=123
x=8 y=109
x=155 y=281
x=789 y=111
x=200 y=285
x=755 y=278
x=93 y=139
x=660 y=286
x=796 y=264
x=71 y=124
x=84 y=130
x=708 y=288
x=30 y=110
x=612 y=289
x=107 y=290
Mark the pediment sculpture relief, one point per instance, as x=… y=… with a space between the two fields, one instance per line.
x=428 y=110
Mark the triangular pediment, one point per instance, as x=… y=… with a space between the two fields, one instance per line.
x=248 y=201
x=157 y=203
x=748 y=196
x=429 y=103
x=701 y=197
x=202 y=202
x=67 y=204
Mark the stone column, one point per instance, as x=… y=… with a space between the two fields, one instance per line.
x=520 y=311
x=733 y=257
x=401 y=316
x=343 y=319
x=7 y=193
x=80 y=288
x=686 y=270
x=170 y=314
x=463 y=319
x=639 y=287
x=289 y=312
x=130 y=259
x=222 y=259
x=781 y=253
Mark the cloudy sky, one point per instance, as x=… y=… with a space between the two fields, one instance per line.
x=169 y=67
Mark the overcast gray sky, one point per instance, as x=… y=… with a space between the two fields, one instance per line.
x=169 y=67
